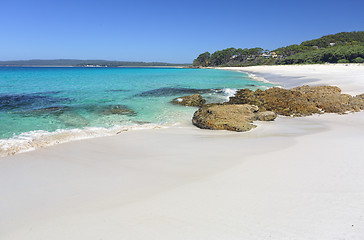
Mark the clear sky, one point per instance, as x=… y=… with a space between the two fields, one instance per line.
x=168 y=31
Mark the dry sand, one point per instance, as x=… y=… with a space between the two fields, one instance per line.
x=349 y=77
x=300 y=178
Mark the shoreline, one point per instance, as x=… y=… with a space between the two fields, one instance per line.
x=313 y=75
x=294 y=178
x=36 y=139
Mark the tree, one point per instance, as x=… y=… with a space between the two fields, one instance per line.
x=349 y=46
x=255 y=51
x=223 y=56
x=358 y=60
x=202 y=60
x=343 y=61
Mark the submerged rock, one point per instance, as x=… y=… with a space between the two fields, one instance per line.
x=237 y=117
x=194 y=100
x=300 y=101
x=56 y=110
x=98 y=109
x=72 y=119
x=117 y=109
x=117 y=90
x=19 y=102
x=171 y=91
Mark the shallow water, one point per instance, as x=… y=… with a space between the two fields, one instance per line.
x=35 y=102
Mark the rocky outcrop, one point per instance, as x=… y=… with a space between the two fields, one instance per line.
x=248 y=106
x=358 y=102
x=300 y=101
x=194 y=100
x=237 y=117
x=266 y=116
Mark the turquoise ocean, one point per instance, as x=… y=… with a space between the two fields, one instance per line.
x=46 y=105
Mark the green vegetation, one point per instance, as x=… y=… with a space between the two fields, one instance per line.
x=359 y=60
x=345 y=47
x=344 y=54
x=343 y=38
x=202 y=60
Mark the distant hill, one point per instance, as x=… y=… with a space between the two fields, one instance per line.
x=343 y=38
x=344 y=47
x=83 y=63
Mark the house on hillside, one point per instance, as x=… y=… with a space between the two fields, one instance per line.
x=270 y=55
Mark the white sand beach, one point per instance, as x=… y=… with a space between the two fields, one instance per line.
x=294 y=178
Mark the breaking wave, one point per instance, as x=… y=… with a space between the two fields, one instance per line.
x=229 y=92
x=32 y=140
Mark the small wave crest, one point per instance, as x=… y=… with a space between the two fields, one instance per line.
x=32 y=140
x=260 y=79
x=229 y=92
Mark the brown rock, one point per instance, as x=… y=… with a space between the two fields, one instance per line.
x=300 y=101
x=279 y=100
x=318 y=91
x=357 y=102
x=361 y=96
x=194 y=100
x=237 y=117
x=266 y=116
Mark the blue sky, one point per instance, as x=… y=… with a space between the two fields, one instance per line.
x=168 y=31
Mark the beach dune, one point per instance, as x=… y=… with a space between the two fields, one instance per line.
x=294 y=178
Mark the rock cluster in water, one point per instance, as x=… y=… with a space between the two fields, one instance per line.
x=194 y=100
x=248 y=106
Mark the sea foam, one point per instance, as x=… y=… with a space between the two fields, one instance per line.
x=229 y=92
x=32 y=140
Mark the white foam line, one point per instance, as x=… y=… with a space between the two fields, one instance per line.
x=252 y=76
x=32 y=140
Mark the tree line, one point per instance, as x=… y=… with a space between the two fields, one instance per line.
x=342 y=47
